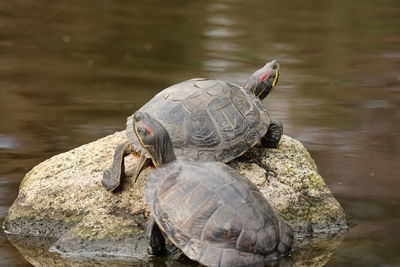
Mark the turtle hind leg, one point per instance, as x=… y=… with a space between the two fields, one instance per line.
x=156 y=238
x=273 y=136
x=112 y=177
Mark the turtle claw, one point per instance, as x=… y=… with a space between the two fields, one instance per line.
x=142 y=164
x=106 y=176
x=109 y=182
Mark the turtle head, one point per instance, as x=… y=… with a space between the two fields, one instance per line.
x=262 y=81
x=154 y=138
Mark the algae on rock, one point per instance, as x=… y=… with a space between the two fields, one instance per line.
x=63 y=198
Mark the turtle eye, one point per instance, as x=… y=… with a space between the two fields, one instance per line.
x=141 y=131
x=145 y=129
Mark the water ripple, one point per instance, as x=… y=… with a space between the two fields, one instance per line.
x=7 y=142
x=3 y=212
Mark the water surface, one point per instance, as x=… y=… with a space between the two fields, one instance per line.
x=72 y=71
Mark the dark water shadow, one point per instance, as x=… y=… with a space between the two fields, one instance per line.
x=309 y=252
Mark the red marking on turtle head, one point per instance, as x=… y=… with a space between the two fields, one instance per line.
x=265 y=75
x=147 y=128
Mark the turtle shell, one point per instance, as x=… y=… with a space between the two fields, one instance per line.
x=207 y=119
x=214 y=215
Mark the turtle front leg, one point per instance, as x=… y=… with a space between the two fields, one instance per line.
x=273 y=136
x=156 y=238
x=112 y=177
x=142 y=164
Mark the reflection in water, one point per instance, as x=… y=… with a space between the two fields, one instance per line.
x=315 y=252
x=7 y=142
x=70 y=73
x=219 y=44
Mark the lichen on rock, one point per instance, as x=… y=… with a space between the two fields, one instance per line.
x=293 y=186
x=63 y=198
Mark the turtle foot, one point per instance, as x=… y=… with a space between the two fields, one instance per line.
x=112 y=177
x=156 y=238
x=109 y=181
x=273 y=135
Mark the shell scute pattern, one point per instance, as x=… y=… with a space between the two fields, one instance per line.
x=224 y=154
x=218 y=103
x=212 y=256
x=248 y=110
x=217 y=232
x=203 y=134
x=205 y=84
x=195 y=224
x=252 y=136
x=169 y=181
x=192 y=153
x=197 y=101
x=212 y=206
x=267 y=239
x=179 y=139
x=249 y=213
x=225 y=192
x=177 y=92
x=205 y=155
x=240 y=146
x=172 y=114
x=219 y=91
x=194 y=250
x=201 y=217
x=208 y=119
x=229 y=121
x=246 y=241
x=175 y=193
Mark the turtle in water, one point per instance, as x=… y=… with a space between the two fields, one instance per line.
x=207 y=120
x=209 y=211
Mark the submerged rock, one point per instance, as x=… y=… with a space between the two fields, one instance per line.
x=62 y=198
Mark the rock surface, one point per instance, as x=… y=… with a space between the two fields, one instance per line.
x=62 y=198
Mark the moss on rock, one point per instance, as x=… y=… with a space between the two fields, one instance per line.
x=63 y=197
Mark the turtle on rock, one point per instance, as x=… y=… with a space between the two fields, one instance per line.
x=207 y=120
x=209 y=211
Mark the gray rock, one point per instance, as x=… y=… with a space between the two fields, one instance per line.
x=62 y=198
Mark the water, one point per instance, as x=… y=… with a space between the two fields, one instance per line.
x=71 y=71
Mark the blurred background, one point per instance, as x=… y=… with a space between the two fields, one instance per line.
x=72 y=71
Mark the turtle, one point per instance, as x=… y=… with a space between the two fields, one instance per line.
x=207 y=120
x=208 y=210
